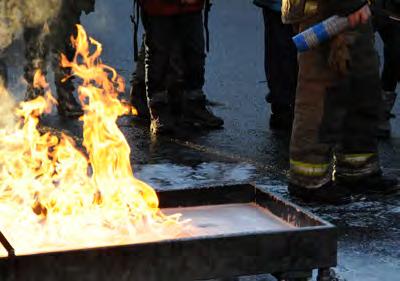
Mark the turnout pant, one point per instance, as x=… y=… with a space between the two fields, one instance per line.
x=336 y=114
x=163 y=33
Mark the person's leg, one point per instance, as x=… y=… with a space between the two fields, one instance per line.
x=357 y=161
x=193 y=49
x=3 y=74
x=160 y=34
x=36 y=50
x=389 y=31
x=60 y=32
x=311 y=159
x=314 y=128
x=175 y=79
x=138 y=85
x=390 y=34
x=281 y=68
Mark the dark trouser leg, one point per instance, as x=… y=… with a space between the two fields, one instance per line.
x=61 y=31
x=3 y=74
x=138 y=85
x=160 y=35
x=280 y=63
x=389 y=31
x=175 y=79
x=36 y=50
x=160 y=32
x=193 y=48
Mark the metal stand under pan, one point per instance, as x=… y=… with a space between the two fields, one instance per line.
x=242 y=231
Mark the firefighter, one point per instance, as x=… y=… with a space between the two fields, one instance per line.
x=333 y=150
x=165 y=23
x=54 y=39
x=389 y=31
x=280 y=64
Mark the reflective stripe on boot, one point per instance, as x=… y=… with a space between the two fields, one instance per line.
x=354 y=166
x=309 y=175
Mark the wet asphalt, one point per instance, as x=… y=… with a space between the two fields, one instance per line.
x=246 y=149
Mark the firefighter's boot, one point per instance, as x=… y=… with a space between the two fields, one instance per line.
x=376 y=183
x=196 y=113
x=329 y=193
x=139 y=100
x=162 y=122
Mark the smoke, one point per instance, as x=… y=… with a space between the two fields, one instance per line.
x=15 y=15
x=7 y=107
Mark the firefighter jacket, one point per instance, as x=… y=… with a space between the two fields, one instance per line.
x=295 y=11
x=171 y=7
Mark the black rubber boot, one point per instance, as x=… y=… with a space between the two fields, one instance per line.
x=330 y=193
x=372 y=184
x=139 y=100
x=196 y=113
x=162 y=122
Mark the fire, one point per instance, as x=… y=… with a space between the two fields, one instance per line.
x=54 y=195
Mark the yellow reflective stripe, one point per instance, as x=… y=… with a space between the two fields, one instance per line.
x=308 y=169
x=356 y=158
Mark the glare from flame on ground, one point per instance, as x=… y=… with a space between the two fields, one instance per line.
x=55 y=196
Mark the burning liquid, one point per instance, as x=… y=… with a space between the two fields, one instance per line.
x=54 y=196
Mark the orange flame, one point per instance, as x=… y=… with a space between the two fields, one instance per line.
x=54 y=196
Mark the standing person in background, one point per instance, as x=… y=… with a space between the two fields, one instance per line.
x=137 y=93
x=389 y=31
x=55 y=39
x=3 y=74
x=280 y=63
x=333 y=151
x=174 y=82
x=167 y=23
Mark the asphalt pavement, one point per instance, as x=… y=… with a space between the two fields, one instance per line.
x=246 y=149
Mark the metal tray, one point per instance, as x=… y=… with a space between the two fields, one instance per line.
x=244 y=231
